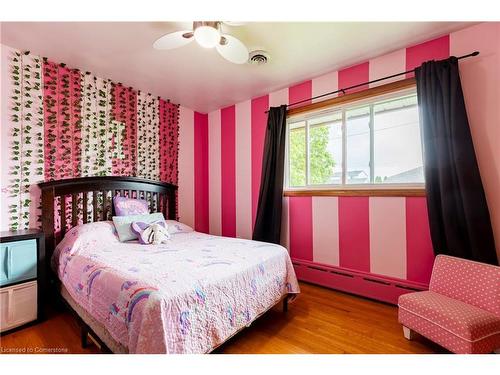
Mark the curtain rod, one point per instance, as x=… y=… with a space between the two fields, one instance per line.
x=475 y=53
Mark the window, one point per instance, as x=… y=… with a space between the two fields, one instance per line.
x=365 y=144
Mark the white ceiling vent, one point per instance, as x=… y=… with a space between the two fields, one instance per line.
x=258 y=57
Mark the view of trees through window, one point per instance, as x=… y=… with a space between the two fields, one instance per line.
x=380 y=141
x=297 y=152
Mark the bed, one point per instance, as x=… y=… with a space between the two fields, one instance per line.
x=188 y=295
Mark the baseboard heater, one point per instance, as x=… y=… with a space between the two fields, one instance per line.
x=378 y=287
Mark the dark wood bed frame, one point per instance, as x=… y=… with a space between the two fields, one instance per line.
x=161 y=197
x=99 y=191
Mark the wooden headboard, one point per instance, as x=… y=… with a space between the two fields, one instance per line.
x=67 y=203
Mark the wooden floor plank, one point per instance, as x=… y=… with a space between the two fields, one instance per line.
x=320 y=320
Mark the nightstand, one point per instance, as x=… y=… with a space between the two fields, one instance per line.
x=22 y=278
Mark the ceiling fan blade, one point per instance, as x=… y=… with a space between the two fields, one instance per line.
x=232 y=49
x=234 y=23
x=174 y=40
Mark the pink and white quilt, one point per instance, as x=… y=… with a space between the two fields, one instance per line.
x=186 y=296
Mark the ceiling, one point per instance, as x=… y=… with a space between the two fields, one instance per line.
x=201 y=79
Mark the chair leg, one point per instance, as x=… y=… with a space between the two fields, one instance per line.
x=408 y=333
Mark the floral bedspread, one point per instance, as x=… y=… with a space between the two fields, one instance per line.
x=186 y=296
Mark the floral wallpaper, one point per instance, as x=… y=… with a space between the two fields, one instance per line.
x=67 y=123
x=148 y=136
x=26 y=165
x=124 y=104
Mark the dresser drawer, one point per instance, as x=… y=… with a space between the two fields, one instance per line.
x=18 y=305
x=18 y=261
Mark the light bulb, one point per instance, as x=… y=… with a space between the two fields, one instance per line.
x=207 y=36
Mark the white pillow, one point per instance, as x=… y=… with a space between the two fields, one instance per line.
x=174 y=227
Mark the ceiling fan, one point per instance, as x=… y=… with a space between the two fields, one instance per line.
x=208 y=34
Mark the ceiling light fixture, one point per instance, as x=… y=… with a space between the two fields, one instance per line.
x=207 y=34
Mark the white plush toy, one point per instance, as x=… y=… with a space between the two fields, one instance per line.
x=151 y=233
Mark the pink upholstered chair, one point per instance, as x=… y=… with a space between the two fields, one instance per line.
x=461 y=309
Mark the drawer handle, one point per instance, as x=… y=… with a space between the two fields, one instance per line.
x=10 y=306
x=9 y=263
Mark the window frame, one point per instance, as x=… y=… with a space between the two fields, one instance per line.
x=358 y=100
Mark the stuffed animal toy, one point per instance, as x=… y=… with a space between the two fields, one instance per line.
x=151 y=233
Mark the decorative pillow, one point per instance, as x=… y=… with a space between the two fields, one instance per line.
x=151 y=233
x=129 y=206
x=174 y=227
x=122 y=224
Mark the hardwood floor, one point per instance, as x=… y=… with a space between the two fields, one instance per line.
x=320 y=320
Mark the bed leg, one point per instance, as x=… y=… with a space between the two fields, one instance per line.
x=84 y=334
x=285 y=304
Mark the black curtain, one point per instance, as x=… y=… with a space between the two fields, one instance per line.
x=268 y=219
x=458 y=213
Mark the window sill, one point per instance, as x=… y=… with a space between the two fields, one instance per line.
x=357 y=192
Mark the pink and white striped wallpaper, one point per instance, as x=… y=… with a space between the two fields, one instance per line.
x=387 y=236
